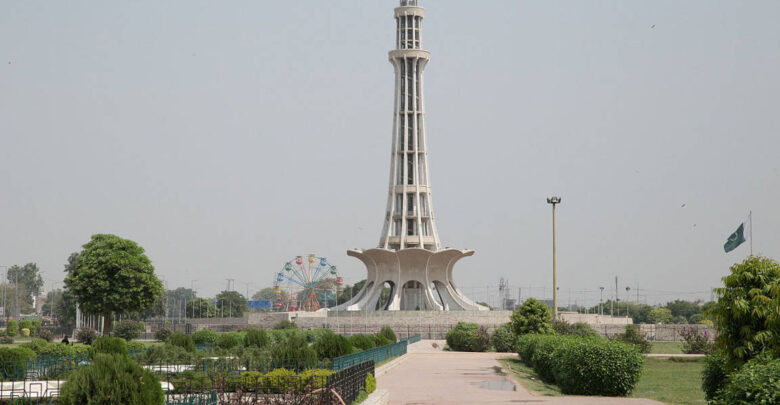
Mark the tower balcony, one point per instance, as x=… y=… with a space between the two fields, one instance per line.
x=409 y=54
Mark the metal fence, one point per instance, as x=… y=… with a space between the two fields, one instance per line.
x=375 y=355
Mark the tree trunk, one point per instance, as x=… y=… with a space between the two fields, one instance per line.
x=107 y=324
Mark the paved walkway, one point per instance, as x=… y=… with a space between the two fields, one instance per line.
x=431 y=376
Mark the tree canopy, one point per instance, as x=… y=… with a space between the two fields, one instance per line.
x=112 y=275
x=532 y=317
x=231 y=304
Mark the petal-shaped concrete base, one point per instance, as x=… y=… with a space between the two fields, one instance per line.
x=420 y=279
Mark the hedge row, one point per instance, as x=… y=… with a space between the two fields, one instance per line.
x=582 y=366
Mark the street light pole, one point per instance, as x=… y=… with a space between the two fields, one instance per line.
x=601 y=302
x=627 y=298
x=554 y=201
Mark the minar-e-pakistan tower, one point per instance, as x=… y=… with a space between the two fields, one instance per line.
x=409 y=258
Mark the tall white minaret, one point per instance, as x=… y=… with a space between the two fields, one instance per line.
x=409 y=219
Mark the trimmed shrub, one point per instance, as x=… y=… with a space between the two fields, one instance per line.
x=758 y=382
x=503 y=339
x=380 y=340
x=294 y=352
x=388 y=333
x=331 y=345
x=86 y=335
x=161 y=335
x=370 y=383
x=525 y=346
x=166 y=353
x=25 y=332
x=128 y=329
x=633 y=337
x=205 y=337
x=362 y=342
x=6 y=340
x=36 y=326
x=46 y=335
x=25 y=324
x=14 y=361
x=256 y=338
x=532 y=317
x=179 y=339
x=315 y=378
x=544 y=358
x=36 y=345
x=714 y=373
x=575 y=329
x=57 y=349
x=285 y=325
x=468 y=337
x=597 y=367
x=108 y=345
x=135 y=346
x=12 y=328
x=281 y=381
x=112 y=379
x=228 y=340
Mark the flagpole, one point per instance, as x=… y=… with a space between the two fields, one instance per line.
x=750 y=218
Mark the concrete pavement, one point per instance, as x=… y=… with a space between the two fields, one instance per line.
x=429 y=375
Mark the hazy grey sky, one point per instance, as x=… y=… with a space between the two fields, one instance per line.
x=228 y=137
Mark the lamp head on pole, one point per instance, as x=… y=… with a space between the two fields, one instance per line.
x=554 y=200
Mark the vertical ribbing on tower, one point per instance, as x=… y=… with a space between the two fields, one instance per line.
x=409 y=220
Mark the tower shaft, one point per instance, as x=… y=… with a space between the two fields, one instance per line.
x=409 y=220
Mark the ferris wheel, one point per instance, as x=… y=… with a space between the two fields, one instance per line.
x=306 y=283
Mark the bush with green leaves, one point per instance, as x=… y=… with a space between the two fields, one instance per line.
x=388 y=333
x=205 y=337
x=331 y=345
x=757 y=382
x=468 y=337
x=380 y=340
x=179 y=339
x=634 y=337
x=714 y=373
x=256 y=338
x=6 y=340
x=588 y=366
x=35 y=345
x=112 y=379
x=278 y=335
x=161 y=335
x=108 y=345
x=532 y=317
x=25 y=324
x=281 y=381
x=294 y=352
x=14 y=361
x=127 y=329
x=312 y=335
x=166 y=353
x=285 y=325
x=746 y=312
x=503 y=339
x=526 y=345
x=86 y=335
x=45 y=334
x=36 y=326
x=695 y=341
x=228 y=340
x=362 y=342
x=544 y=357
x=315 y=378
x=562 y=327
x=370 y=383
x=12 y=328
x=25 y=332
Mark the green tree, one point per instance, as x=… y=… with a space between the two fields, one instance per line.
x=748 y=320
x=660 y=315
x=28 y=280
x=683 y=308
x=113 y=275
x=231 y=304
x=532 y=317
x=201 y=308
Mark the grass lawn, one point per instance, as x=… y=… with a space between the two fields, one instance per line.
x=528 y=378
x=671 y=382
x=666 y=348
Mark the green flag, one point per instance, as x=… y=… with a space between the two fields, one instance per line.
x=735 y=239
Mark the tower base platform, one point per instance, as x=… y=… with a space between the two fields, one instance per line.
x=418 y=279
